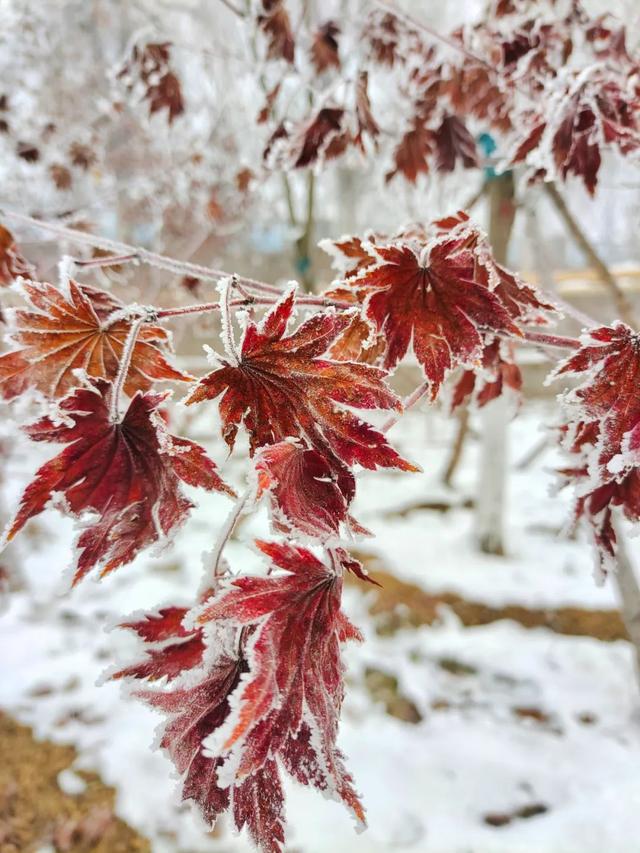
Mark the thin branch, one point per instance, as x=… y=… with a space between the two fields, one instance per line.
x=145 y=256
x=457 y=447
x=407 y=403
x=123 y=369
x=206 y=307
x=303 y=243
x=172 y=265
x=226 y=320
x=225 y=533
x=111 y=261
x=620 y=299
x=232 y=8
x=547 y=340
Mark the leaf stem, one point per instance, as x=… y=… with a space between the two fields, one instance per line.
x=546 y=340
x=407 y=403
x=110 y=261
x=123 y=369
x=226 y=319
x=225 y=533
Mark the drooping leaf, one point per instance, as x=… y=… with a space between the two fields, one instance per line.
x=149 y=65
x=412 y=155
x=282 y=387
x=309 y=493
x=266 y=691
x=601 y=432
x=317 y=136
x=12 y=262
x=62 y=332
x=127 y=472
x=324 y=48
x=453 y=142
x=289 y=704
x=275 y=23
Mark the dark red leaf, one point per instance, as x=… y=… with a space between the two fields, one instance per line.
x=283 y=388
x=453 y=142
x=275 y=23
x=310 y=493
x=324 y=48
x=126 y=472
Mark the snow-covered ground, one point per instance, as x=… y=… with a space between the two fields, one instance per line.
x=526 y=720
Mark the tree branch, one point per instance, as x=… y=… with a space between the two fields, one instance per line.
x=623 y=305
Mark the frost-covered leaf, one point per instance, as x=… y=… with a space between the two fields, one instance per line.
x=62 y=332
x=282 y=387
x=602 y=431
x=264 y=692
x=290 y=701
x=309 y=493
x=127 y=473
x=12 y=262
x=275 y=23
x=324 y=48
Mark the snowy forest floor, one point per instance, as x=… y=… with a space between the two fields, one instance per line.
x=491 y=709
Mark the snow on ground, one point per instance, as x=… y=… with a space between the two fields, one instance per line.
x=512 y=720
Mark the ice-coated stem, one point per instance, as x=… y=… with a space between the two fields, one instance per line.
x=225 y=533
x=123 y=369
x=407 y=403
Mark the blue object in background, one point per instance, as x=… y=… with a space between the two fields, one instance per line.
x=487 y=145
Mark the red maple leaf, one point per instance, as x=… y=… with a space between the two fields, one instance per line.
x=310 y=493
x=497 y=373
x=12 y=263
x=162 y=89
x=289 y=704
x=65 y=332
x=127 y=472
x=412 y=154
x=324 y=48
x=602 y=431
x=172 y=649
x=275 y=23
x=264 y=687
x=610 y=363
x=437 y=301
x=454 y=142
x=196 y=712
x=317 y=136
x=281 y=388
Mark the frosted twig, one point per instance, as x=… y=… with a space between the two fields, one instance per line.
x=225 y=532
x=123 y=369
x=164 y=262
x=407 y=403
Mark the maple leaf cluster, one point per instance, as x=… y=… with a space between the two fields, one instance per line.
x=601 y=433
x=567 y=81
x=256 y=678
x=260 y=657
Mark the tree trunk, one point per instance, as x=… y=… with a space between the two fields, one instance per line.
x=490 y=502
x=626 y=581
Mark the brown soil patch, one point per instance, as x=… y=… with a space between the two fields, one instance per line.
x=398 y=604
x=34 y=811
